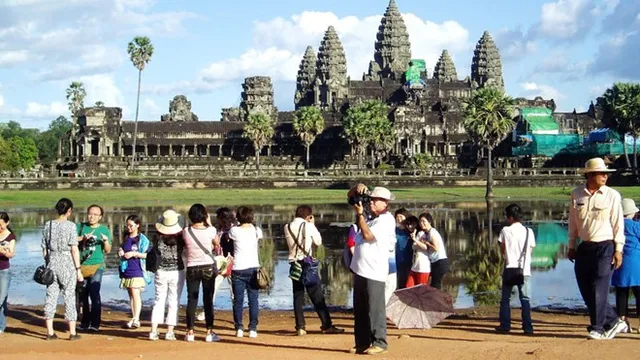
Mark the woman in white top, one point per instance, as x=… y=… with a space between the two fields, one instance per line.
x=421 y=268
x=245 y=238
x=436 y=250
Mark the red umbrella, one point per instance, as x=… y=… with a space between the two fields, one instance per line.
x=419 y=307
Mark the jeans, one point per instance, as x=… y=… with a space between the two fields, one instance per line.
x=593 y=272
x=369 y=313
x=438 y=270
x=5 y=280
x=167 y=284
x=242 y=280
x=197 y=275
x=90 y=289
x=524 y=291
x=317 y=299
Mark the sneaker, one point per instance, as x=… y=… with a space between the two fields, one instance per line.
x=239 y=333
x=502 y=330
x=618 y=327
x=253 y=334
x=357 y=350
x=82 y=327
x=132 y=324
x=301 y=332
x=153 y=336
x=190 y=338
x=52 y=337
x=375 y=350
x=596 y=335
x=528 y=332
x=170 y=336
x=332 y=330
x=212 y=337
x=200 y=316
x=74 y=337
x=93 y=329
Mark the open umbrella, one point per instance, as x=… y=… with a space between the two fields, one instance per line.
x=419 y=307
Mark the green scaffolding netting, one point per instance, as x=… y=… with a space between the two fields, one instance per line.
x=539 y=119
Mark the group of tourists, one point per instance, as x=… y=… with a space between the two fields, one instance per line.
x=384 y=252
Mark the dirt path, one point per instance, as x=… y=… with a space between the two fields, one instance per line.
x=468 y=335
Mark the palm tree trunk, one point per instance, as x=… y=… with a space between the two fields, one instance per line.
x=257 y=158
x=489 y=193
x=373 y=158
x=135 y=127
x=360 y=151
x=626 y=152
x=635 y=157
x=308 y=146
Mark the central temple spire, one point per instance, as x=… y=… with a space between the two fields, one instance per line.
x=392 y=48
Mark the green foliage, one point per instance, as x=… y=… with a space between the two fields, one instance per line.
x=368 y=124
x=259 y=129
x=488 y=116
x=385 y=166
x=308 y=123
x=13 y=129
x=75 y=95
x=419 y=161
x=140 y=51
x=99 y=104
x=621 y=108
x=483 y=270
x=26 y=153
x=48 y=140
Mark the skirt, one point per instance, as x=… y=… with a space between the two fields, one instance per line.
x=133 y=283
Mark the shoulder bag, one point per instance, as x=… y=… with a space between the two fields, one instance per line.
x=214 y=268
x=262 y=279
x=43 y=274
x=515 y=276
x=310 y=266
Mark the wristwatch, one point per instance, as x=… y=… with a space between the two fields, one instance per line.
x=77 y=267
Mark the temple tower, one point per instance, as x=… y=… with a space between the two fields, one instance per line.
x=257 y=95
x=445 y=70
x=486 y=67
x=331 y=85
x=392 y=47
x=305 y=79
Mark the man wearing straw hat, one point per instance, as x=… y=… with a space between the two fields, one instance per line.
x=595 y=216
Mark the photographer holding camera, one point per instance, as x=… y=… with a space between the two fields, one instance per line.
x=370 y=265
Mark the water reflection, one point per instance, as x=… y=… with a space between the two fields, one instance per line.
x=469 y=230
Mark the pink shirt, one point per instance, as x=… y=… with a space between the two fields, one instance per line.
x=195 y=255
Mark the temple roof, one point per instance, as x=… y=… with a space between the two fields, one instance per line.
x=332 y=62
x=392 y=47
x=445 y=69
x=486 y=66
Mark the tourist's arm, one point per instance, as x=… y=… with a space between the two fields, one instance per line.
x=573 y=229
x=617 y=223
x=9 y=251
x=503 y=248
x=418 y=243
x=367 y=235
x=75 y=254
x=106 y=244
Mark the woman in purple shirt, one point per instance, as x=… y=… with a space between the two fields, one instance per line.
x=133 y=272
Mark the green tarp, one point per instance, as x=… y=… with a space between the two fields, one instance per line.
x=420 y=64
x=546 y=144
x=539 y=119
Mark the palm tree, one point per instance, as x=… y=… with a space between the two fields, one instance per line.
x=259 y=129
x=99 y=104
x=488 y=121
x=381 y=138
x=364 y=124
x=308 y=123
x=621 y=113
x=140 y=51
x=75 y=95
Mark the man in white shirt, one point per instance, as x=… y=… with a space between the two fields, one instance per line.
x=370 y=265
x=302 y=235
x=595 y=216
x=516 y=245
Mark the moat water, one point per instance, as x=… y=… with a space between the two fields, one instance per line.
x=471 y=246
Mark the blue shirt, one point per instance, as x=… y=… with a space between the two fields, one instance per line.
x=404 y=251
x=134 y=265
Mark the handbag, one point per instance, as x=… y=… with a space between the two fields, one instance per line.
x=515 y=276
x=310 y=267
x=263 y=281
x=214 y=267
x=43 y=274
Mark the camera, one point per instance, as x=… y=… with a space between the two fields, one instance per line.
x=90 y=241
x=363 y=198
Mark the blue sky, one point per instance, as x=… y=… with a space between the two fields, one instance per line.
x=568 y=50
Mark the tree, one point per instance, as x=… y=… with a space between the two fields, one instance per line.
x=48 y=141
x=26 y=150
x=366 y=123
x=381 y=138
x=259 y=129
x=75 y=95
x=99 y=104
x=488 y=121
x=140 y=51
x=308 y=123
x=621 y=112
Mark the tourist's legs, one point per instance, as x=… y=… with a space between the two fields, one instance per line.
x=505 y=308
x=361 y=325
x=161 y=287
x=193 y=292
x=252 y=294
x=93 y=289
x=377 y=313
x=438 y=270
x=622 y=301
x=524 y=291
x=317 y=299
x=298 y=303
x=5 y=280
x=239 y=287
x=585 y=277
x=208 y=291
x=606 y=316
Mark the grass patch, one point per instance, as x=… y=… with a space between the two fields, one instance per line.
x=158 y=197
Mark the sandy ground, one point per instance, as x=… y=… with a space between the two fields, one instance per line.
x=466 y=335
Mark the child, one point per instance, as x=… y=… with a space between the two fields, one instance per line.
x=421 y=268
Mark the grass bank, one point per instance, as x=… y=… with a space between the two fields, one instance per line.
x=151 y=197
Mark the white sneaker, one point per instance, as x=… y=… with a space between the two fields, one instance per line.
x=619 y=326
x=170 y=336
x=239 y=333
x=253 y=334
x=595 y=335
x=153 y=336
x=190 y=338
x=212 y=337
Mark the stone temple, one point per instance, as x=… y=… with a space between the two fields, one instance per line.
x=428 y=120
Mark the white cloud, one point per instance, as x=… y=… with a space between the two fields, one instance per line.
x=276 y=53
x=150 y=107
x=8 y=58
x=96 y=59
x=532 y=89
x=514 y=44
x=37 y=110
x=1 y=101
x=566 y=19
x=103 y=88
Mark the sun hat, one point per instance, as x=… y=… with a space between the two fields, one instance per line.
x=629 y=207
x=380 y=192
x=169 y=223
x=596 y=165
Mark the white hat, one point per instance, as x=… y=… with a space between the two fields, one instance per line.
x=380 y=192
x=629 y=207
x=169 y=223
x=596 y=165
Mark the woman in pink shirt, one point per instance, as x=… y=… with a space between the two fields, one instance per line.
x=199 y=241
